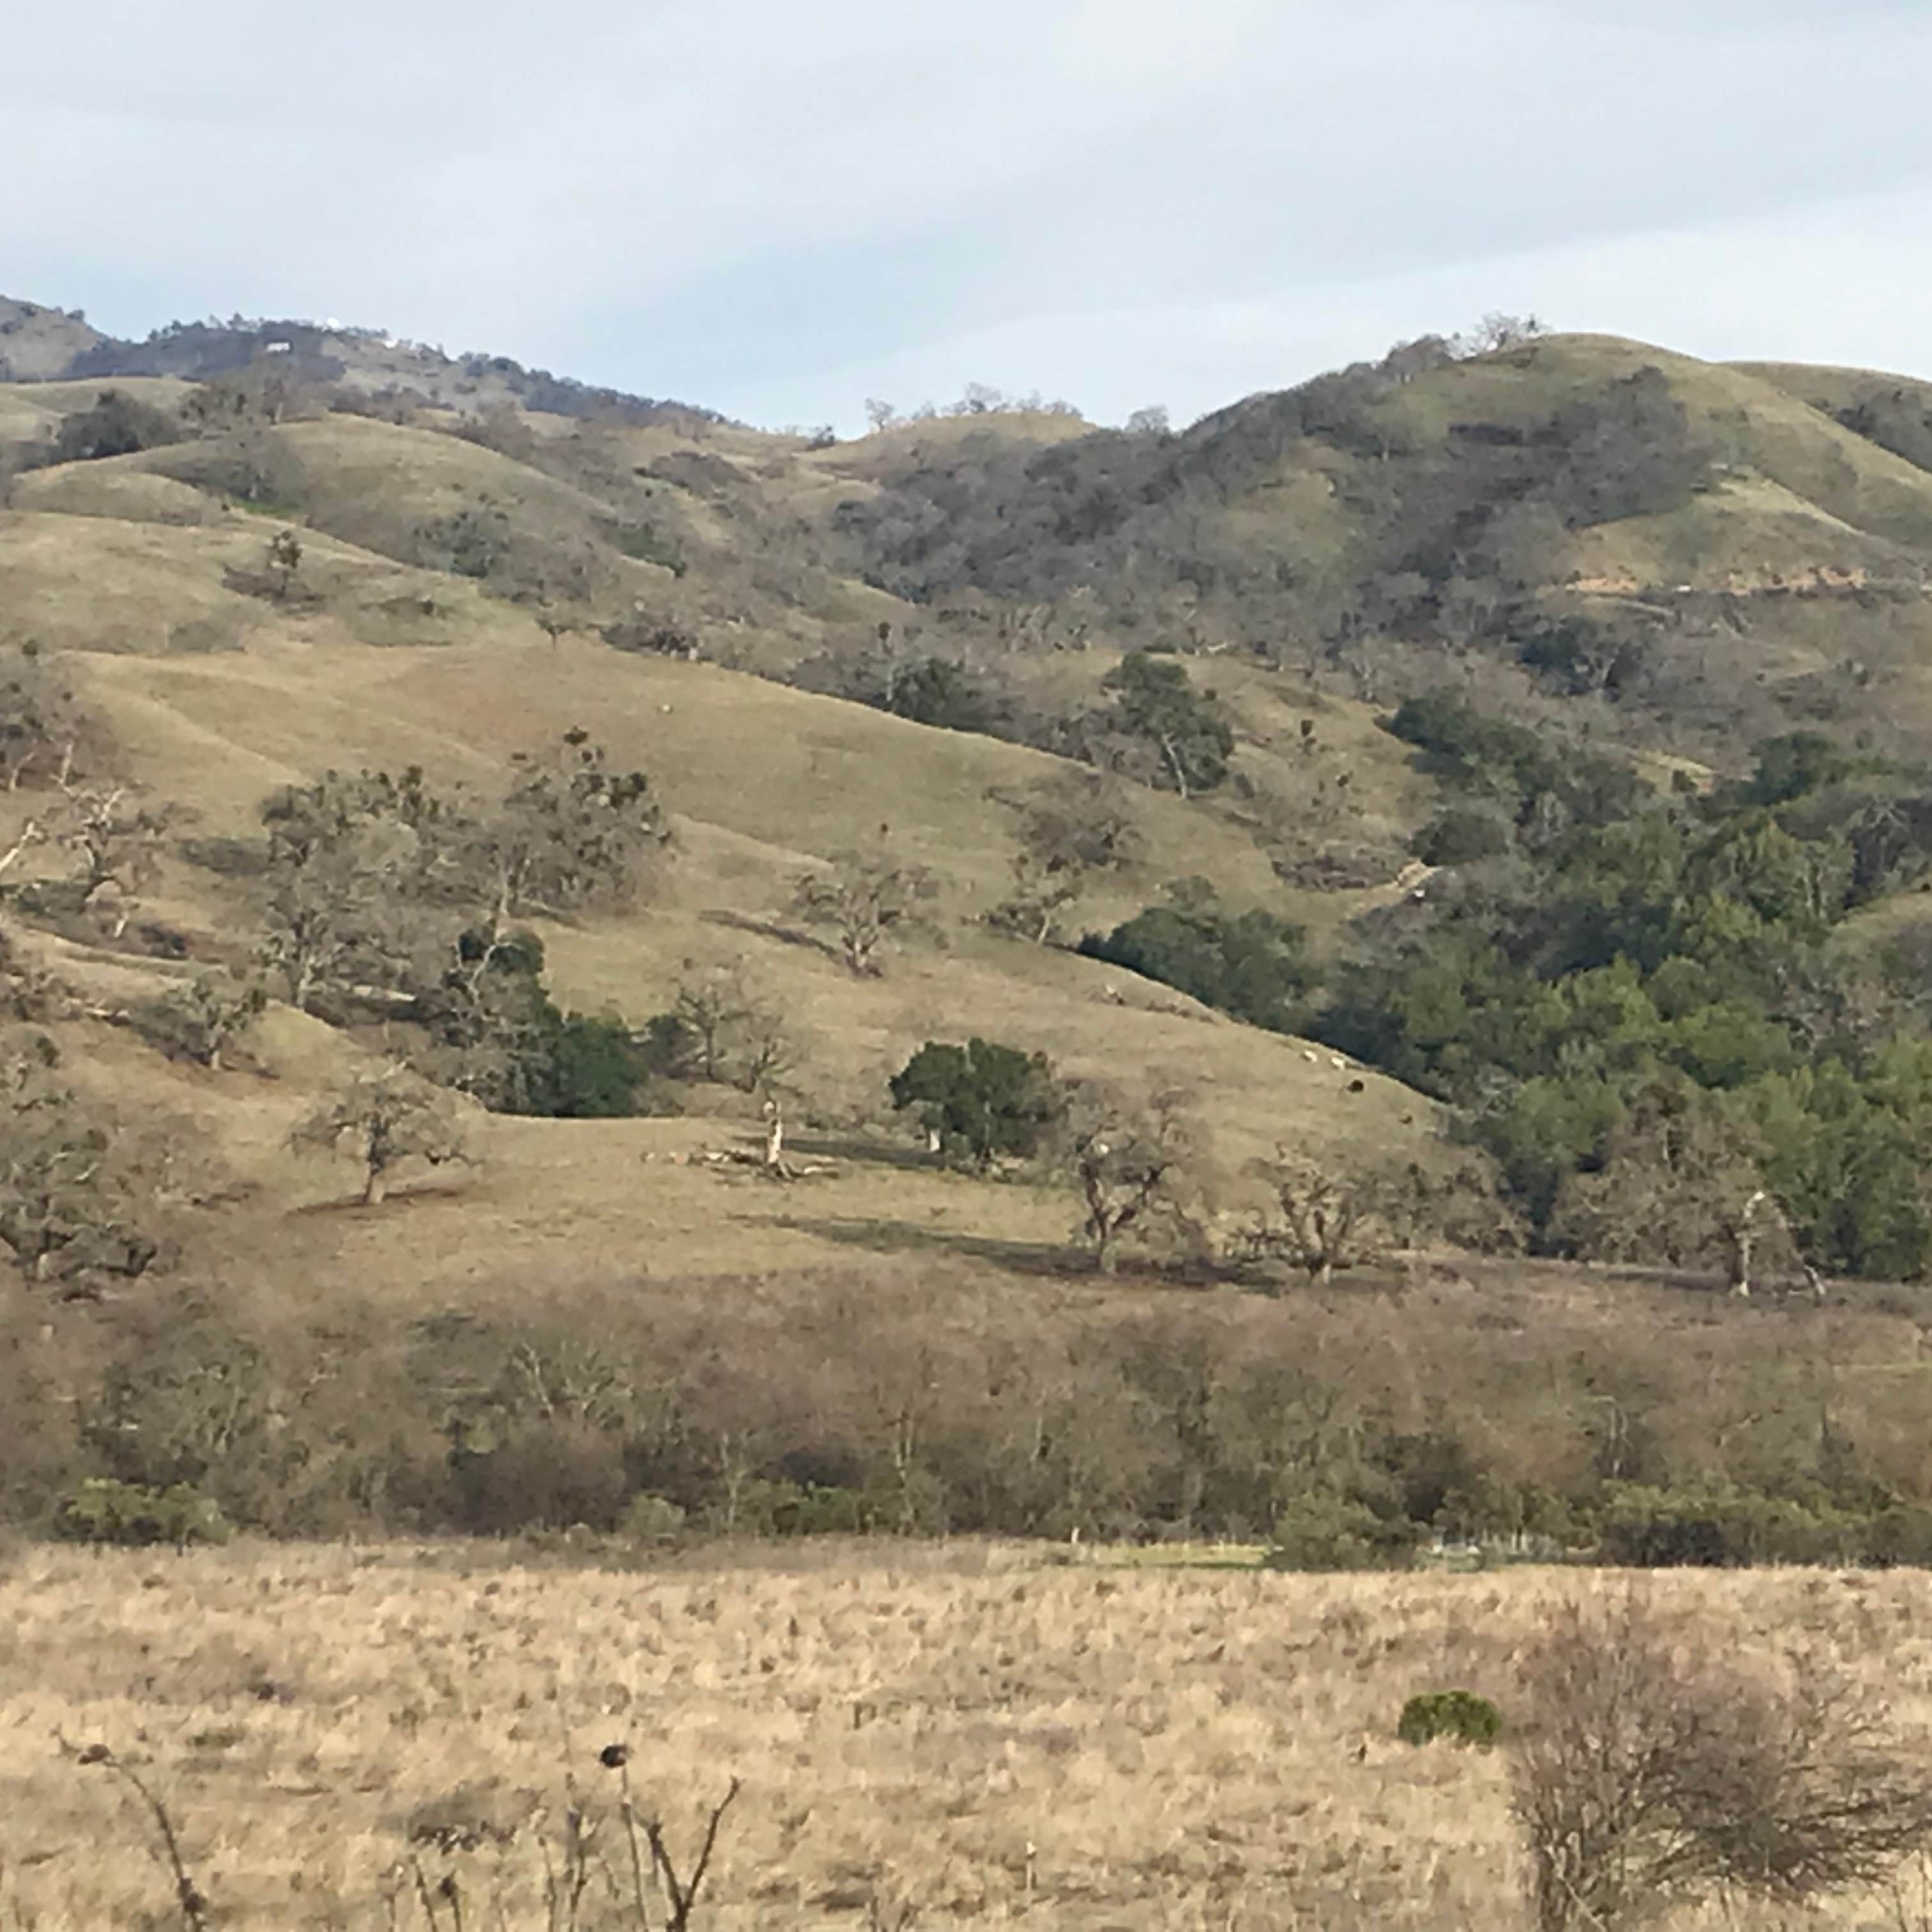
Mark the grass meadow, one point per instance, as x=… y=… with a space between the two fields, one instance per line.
x=962 y=1735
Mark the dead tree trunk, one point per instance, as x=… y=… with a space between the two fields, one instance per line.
x=1742 y=1234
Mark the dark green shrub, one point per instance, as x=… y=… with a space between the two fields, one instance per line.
x=648 y=545
x=1320 y=1530
x=981 y=1100
x=1190 y=742
x=130 y=1515
x=1718 y=1529
x=762 y=1508
x=118 y=424
x=1509 y=762
x=936 y=691
x=1900 y=1535
x=594 y=1072
x=650 y=1519
x=1460 y=836
x=1794 y=765
x=1252 y=965
x=1460 y=1716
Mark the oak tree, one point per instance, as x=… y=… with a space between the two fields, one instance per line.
x=867 y=901
x=386 y=1117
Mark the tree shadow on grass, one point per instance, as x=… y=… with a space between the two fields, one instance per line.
x=768 y=928
x=422 y=1194
x=860 y=1152
x=1050 y=1260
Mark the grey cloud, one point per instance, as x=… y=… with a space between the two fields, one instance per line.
x=756 y=199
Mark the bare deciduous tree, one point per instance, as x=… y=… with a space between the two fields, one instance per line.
x=867 y=899
x=386 y=1117
x=740 y=1034
x=1679 y=1185
x=1322 y=1220
x=68 y=1204
x=115 y=841
x=1130 y=1164
x=1647 y=1775
x=28 y=992
x=317 y=923
x=43 y=730
x=571 y=832
x=203 y=1018
x=1071 y=829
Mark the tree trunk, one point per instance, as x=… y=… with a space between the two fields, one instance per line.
x=1742 y=1242
x=1175 y=765
x=774 y=1140
x=375 y=1188
x=1743 y=1233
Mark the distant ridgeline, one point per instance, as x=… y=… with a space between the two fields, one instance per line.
x=200 y=352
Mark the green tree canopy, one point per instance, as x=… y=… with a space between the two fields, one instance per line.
x=1154 y=701
x=1252 y=965
x=981 y=1100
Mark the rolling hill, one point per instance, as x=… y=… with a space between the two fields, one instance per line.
x=248 y=569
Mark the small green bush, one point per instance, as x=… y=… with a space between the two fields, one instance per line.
x=1460 y=1716
x=1322 y=1532
x=650 y=1518
x=101 y=1511
x=646 y=544
x=762 y=1508
x=1252 y=965
x=1899 y=1535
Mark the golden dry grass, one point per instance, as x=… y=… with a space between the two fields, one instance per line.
x=973 y=1730
x=114 y=576
x=763 y=780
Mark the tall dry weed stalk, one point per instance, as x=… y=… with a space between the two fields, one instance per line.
x=188 y=1899
x=568 y=1872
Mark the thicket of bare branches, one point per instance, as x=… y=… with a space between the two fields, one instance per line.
x=386 y=1117
x=1324 y=1218
x=1130 y=1163
x=1649 y=1771
x=76 y=1202
x=1072 y=829
x=866 y=900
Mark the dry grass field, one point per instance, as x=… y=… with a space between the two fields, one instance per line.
x=977 y=1734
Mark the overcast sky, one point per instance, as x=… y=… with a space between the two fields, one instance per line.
x=781 y=207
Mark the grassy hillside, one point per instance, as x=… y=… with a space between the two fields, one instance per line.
x=1534 y=731
x=1752 y=545
x=762 y=781
x=38 y=343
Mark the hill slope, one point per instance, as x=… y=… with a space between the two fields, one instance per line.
x=1541 y=732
